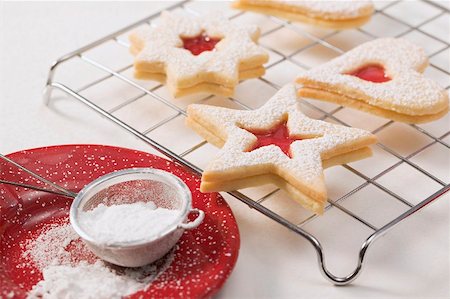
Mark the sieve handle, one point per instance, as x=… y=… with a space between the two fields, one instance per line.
x=61 y=191
x=196 y=222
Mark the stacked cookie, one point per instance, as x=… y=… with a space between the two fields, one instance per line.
x=191 y=55
x=383 y=77
x=275 y=144
x=328 y=14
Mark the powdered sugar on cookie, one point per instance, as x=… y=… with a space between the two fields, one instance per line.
x=317 y=141
x=329 y=9
x=330 y=14
x=407 y=92
x=161 y=50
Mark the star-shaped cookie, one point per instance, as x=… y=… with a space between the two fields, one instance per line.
x=198 y=54
x=276 y=143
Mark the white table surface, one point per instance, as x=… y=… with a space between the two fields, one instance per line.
x=411 y=261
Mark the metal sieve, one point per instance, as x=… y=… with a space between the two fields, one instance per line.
x=130 y=186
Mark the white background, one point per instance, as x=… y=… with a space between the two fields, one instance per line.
x=411 y=261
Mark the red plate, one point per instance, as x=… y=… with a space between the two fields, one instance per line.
x=202 y=262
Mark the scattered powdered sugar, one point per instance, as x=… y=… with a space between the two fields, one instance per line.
x=63 y=259
x=84 y=281
x=98 y=280
x=50 y=247
x=126 y=222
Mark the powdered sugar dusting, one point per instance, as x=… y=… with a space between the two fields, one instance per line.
x=332 y=10
x=159 y=50
x=50 y=246
x=83 y=281
x=409 y=92
x=67 y=276
x=96 y=280
x=304 y=170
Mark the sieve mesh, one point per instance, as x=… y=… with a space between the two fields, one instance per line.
x=131 y=186
x=161 y=194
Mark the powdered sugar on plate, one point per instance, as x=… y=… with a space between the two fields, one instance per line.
x=83 y=281
x=50 y=246
x=71 y=271
x=126 y=222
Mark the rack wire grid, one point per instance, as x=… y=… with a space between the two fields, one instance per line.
x=321 y=43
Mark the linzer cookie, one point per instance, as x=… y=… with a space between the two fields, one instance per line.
x=276 y=144
x=383 y=77
x=328 y=14
x=203 y=54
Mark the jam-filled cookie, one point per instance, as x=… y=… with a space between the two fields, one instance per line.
x=383 y=77
x=276 y=144
x=197 y=54
x=328 y=14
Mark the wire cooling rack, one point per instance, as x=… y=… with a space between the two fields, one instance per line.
x=324 y=41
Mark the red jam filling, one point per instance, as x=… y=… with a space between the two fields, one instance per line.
x=279 y=137
x=200 y=43
x=373 y=72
